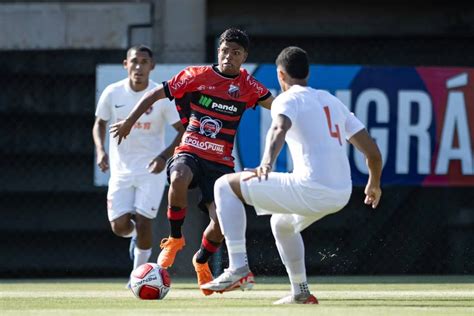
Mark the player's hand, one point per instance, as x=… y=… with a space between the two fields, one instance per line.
x=121 y=130
x=156 y=165
x=262 y=170
x=103 y=161
x=373 y=193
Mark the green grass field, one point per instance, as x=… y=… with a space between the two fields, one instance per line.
x=348 y=296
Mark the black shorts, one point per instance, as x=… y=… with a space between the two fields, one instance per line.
x=205 y=174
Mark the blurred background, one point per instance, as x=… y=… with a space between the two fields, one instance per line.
x=53 y=220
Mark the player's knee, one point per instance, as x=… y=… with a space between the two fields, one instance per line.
x=180 y=180
x=119 y=228
x=222 y=187
x=280 y=225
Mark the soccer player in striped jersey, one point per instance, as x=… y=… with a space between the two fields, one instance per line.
x=210 y=101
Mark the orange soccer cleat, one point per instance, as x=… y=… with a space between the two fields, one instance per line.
x=204 y=275
x=170 y=247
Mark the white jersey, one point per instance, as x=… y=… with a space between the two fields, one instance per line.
x=316 y=140
x=146 y=139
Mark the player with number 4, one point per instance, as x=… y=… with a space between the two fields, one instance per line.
x=314 y=123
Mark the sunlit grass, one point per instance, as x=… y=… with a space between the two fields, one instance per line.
x=348 y=296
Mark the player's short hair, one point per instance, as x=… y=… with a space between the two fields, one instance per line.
x=235 y=35
x=294 y=62
x=140 y=48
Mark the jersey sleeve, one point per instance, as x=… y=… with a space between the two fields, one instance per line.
x=103 y=110
x=352 y=125
x=260 y=92
x=185 y=81
x=284 y=104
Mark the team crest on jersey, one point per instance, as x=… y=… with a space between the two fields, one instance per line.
x=209 y=127
x=234 y=91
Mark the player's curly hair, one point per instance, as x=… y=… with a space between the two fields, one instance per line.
x=235 y=35
x=294 y=61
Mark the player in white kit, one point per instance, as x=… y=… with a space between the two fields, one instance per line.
x=315 y=125
x=136 y=182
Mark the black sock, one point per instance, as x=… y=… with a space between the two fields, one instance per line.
x=207 y=249
x=176 y=217
x=175 y=228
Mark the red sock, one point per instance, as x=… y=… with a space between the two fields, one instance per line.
x=207 y=249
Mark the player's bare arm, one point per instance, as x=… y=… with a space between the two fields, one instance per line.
x=267 y=103
x=98 y=134
x=273 y=144
x=364 y=143
x=121 y=129
x=159 y=162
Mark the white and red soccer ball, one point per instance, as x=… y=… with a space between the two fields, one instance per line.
x=150 y=282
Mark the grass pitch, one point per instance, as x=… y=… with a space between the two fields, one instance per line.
x=348 y=296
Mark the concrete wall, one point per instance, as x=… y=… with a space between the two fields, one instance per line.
x=33 y=26
x=179 y=31
x=175 y=29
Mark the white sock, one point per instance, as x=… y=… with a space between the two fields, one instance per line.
x=133 y=233
x=291 y=249
x=233 y=222
x=141 y=256
x=237 y=255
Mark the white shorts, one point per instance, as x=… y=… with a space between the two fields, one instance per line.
x=282 y=193
x=140 y=194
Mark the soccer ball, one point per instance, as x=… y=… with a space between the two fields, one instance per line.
x=150 y=282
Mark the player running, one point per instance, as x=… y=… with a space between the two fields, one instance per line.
x=210 y=101
x=135 y=190
x=314 y=124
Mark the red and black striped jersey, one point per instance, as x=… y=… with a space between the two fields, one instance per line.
x=210 y=105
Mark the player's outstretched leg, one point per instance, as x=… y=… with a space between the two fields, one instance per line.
x=241 y=278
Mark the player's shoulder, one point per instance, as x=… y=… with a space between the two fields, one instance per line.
x=251 y=83
x=325 y=96
x=116 y=86
x=197 y=69
x=284 y=100
x=323 y=93
x=294 y=93
x=152 y=84
x=248 y=77
x=328 y=99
